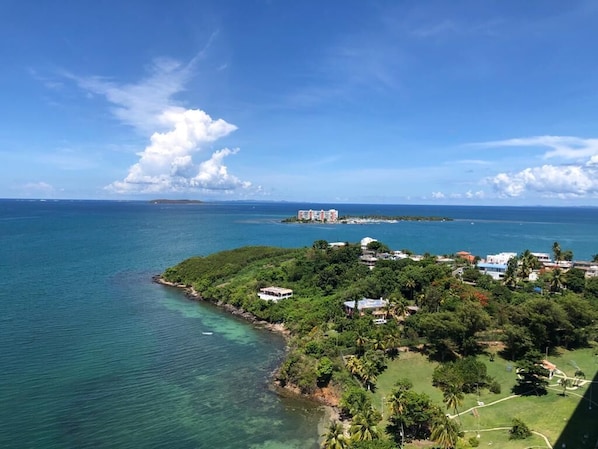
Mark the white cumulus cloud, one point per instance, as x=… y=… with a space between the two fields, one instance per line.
x=177 y=157
x=549 y=180
x=575 y=176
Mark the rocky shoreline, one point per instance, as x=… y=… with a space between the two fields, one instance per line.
x=326 y=397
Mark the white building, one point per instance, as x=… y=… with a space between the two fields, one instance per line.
x=494 y=270
x=543 y=258
x=275 y=293
x=330 y=215
x=500 y=258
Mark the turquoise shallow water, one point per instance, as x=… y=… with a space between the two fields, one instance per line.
x=93 y=354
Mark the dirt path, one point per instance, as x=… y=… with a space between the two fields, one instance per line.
x=485 y=405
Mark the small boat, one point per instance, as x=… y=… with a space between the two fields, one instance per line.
x=207 y=333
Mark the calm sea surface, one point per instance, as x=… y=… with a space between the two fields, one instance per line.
x=93 y=354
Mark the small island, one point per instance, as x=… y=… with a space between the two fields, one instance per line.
x=369 y=219
x=167 y=201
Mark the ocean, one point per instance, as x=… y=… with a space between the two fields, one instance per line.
x=93 y=354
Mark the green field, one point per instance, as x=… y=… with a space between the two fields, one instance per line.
x=549 y=415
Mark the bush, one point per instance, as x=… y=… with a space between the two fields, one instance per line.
x=494 y=387
x=519 y=431
x=473 y=441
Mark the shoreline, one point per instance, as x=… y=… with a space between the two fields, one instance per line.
x=324 y=397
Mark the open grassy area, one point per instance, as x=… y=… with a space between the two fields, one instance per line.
x=549 y=414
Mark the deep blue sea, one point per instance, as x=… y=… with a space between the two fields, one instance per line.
x=95 y=355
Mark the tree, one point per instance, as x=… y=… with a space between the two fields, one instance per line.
x=531 y=375
x=320 y=244
x=444 y=431
x=556 y=280
x=364 y=426
x=565 y=383
x=354 y=400
x=414 y=420
x=595 y=258
x=556 y=251
x=519 y=431
x=528 y=262
x=510 y=278
x=398 y=402
x=575 y=280
x=334 y=438
x=453 y=397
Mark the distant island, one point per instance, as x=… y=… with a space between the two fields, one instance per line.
x=366 y=219
x=166 y=201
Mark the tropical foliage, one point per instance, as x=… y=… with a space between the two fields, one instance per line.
x=428 y=309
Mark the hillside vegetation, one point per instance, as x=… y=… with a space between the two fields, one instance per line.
x=458 y=327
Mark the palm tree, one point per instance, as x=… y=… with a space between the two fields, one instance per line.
x=368 y=375
x=378 y=344
x=528 y=263
x=360 y=343
x=411 y=284
x=556 y=280
x=595 y=258
x=364 y=426
x=444 y=431
x=397 y=403
x=335 y=438
x=354 y=365
x=556 y=250
x=565 y=382
x=391 y=344
x=453 y=397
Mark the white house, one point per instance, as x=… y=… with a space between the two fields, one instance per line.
x=495 y=270
x=500 y=258
x=376 y=306
x=274 y=293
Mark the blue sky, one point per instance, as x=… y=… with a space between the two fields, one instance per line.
x=435 y=102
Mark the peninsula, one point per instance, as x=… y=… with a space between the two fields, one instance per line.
x=410 y=348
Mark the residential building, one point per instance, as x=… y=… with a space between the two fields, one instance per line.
x=330 y=216
x=500 y=258
x=377 y=307
x=275 y=293
x=495 y=270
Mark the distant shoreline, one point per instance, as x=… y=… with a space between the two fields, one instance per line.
x=166 y=201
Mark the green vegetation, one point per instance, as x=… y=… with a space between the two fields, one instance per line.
x=450 y=358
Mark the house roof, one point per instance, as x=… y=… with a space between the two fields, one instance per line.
x=367 y=303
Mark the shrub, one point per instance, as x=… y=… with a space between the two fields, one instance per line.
x=519 y=431
x=494 y=387
x=473 y=441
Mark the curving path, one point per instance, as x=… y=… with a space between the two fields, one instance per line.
x=544 y=437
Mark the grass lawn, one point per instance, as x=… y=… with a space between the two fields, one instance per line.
x=549 y=414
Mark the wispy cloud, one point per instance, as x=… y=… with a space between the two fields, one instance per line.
x=565 y=147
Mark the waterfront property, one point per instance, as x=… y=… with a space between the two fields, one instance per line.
x=495 y=270
x=500 y=258
x=377 y=307
x=330 y=216
x=275 y=293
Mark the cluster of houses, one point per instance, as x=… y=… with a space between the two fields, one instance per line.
x=494 y=265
